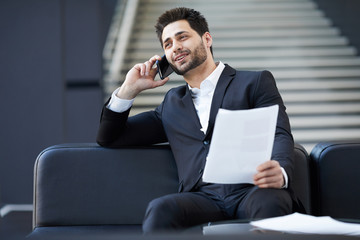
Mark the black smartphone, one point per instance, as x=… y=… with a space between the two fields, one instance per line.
x=163 y=67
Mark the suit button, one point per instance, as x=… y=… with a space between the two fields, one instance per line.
x=206 y=142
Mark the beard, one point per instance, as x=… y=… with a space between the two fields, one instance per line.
x=200 y=56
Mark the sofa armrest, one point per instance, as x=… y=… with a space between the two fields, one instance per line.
x=85 y=184
x=301 y=179
x=335 y=175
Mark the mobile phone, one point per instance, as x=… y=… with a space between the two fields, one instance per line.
x=163 y=67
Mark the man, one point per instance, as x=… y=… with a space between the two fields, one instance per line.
x=186 y=119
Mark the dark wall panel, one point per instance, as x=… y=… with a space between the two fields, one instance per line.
x=82 y=40
x=31 y=101
x=50 y=69
x=83 y=58
x=83 y=114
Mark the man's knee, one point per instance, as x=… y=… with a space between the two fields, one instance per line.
x=265 y=203
x=157 y=217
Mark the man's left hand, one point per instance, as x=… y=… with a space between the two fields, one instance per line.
x=269 y=175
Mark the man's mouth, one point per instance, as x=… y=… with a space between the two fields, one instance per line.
x=180 y=57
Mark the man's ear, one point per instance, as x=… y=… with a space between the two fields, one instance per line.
x=207 y=38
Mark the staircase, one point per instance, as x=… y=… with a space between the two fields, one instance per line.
x=317 y=72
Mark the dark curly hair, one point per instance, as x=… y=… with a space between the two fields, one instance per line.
x=195 y=19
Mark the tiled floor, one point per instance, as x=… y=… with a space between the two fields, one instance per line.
x=15 y=225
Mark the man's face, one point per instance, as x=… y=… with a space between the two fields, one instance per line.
x=184 y=48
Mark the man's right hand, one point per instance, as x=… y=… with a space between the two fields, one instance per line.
x=140 y=78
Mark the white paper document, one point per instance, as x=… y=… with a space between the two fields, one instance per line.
x=307 y=224
x=241 y=141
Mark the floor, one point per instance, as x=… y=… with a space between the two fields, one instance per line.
x=15 y=225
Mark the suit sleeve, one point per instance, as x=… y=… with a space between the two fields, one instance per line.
x=267 y=94
x=118 y=129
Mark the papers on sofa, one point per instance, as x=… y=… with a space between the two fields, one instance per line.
x=307 y=224
x=241 y=141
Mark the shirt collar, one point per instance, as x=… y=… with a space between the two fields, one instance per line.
x=210 y=82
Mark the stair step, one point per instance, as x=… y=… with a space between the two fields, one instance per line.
x=235 y=6
x=318 y=135
x=296 y=62
x=289 y=85
x=282 y=42
x=254 y=33
x=262 y=24
x=317 y=96
x=290 y=63
x=304 y=73
x=226 y=54
x=310 y=122
x=284 y=74
x=329 y=96
x=212 y=14
x=311 y=85
x=311 y=73
x=312 y=109
x=255 y=43
x=252 y=17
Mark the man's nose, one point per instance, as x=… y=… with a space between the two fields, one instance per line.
x=176 y=46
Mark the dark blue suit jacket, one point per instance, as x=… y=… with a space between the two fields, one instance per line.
x=175 y=121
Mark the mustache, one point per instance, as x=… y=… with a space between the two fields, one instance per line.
x=187 y=51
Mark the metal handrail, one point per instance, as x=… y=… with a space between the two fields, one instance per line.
x=117 y=40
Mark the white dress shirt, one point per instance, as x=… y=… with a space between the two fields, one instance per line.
x=202 y=97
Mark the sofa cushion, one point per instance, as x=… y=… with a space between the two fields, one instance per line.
x=85 y=184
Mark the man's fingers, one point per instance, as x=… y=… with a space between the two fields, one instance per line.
x=268 y=169
x=146 y=68
x=139 y=78
x=140 y=67
x=269 y=175
x=160 y=82
x=267 y=165
x=270 y=181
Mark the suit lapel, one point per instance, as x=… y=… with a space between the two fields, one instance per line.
x=190 y=108
x=225 y=78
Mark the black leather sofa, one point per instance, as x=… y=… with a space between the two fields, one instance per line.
x=88 y=189
x=335 y=179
